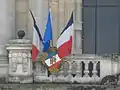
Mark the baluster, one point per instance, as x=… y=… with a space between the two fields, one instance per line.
x=70 y=67
x=94 y=69
x=86 y=71
x=61 y=71
x=79 y=68
x=69 y=78
x=61 y=77
x=79 y=72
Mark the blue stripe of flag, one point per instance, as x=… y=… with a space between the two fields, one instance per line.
x=70 y=22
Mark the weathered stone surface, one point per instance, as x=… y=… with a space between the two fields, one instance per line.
x=20 y=63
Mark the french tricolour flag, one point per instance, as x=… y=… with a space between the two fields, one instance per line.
x=64 y=43
x=37 y=40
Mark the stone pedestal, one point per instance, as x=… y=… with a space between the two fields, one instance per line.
x=20 y=63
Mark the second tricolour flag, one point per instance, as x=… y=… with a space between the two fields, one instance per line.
x=64 y=43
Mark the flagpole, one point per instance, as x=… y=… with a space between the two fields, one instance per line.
x=49 y=8
x=51 y=41
x=73 y=44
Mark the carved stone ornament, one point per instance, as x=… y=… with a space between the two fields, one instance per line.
x=50 y=53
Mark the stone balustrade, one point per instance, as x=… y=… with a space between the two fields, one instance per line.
x=80 y=69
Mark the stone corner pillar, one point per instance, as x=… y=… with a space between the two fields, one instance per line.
x=20 y=63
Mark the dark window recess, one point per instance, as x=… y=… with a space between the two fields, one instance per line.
x=89 y=30
x=107 y=30
x=101 y=21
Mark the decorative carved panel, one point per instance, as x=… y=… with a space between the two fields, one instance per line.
x=19 y=62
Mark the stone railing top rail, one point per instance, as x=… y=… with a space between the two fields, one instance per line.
x=90 y=57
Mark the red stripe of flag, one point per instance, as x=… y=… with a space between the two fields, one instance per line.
x=35 y=52
x=65 y=49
